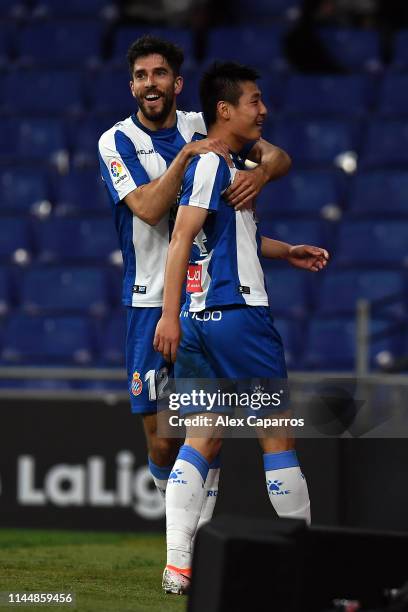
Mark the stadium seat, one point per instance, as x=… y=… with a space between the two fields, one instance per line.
x=74 y=8
x=342 y=288
x=22 y=188
x=380 y=243
x=294 y=232
x=288 y=291
x=5 y=291
x=315 y=142
x=80 y=191
x=299 y=193
x=109 y=92
x=112 y=340
x=291 y=333
x=189 y=99
x=15 y=243
x=256 y=46
x=74 y=239
x=55 y=290
x=354 y=49
x=43 y=91
x=383 y=193
x=326 y=95
x=386 y=144
x=8 y=142
x=84 y=136
x=40 y=139
x=126 y=35
x=331 y=343
x=36 y=40
x=400 y=56
x=393 y=99
x=47 y=340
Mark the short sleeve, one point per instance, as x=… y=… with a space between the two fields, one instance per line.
x=120 y=167
x=205 y=180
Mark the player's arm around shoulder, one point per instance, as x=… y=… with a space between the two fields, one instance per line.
x=272 y=163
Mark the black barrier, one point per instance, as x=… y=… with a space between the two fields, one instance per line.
x=83 y=464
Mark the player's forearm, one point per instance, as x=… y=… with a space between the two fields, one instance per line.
x=273 y=162
x=274 y=249
x=152 y=201
x=176 y=271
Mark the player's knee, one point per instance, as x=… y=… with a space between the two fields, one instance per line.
x=163 y=451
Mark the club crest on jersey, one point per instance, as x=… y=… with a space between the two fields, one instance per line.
x=137 y=384
x=118 y=172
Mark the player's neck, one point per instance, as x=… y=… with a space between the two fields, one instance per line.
x=234 y=143
x=154 y=126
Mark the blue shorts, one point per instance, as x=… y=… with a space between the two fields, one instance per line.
x=239 y=343
x=147 y=371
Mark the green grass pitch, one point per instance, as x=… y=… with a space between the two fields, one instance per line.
x=108 y=572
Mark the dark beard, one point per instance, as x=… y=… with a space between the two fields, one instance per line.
x=154 y=116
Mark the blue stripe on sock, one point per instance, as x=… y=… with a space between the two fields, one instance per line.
x=278 y=461
x=216 y=463
x=193 y=456
x=162 y=473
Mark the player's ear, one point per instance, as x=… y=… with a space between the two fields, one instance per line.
x=132 y=89
x=223 y=110
x=178 y=85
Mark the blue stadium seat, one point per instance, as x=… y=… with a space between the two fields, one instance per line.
x=8 y=142
x=80 y=191
x=7 y=35
x=43 y=91
x=5 y=291
x=380 y=192
x=400 y=56
x=393 y=99
x=109 y=92
x=386 y=144
x=382 y=243
x=84 y=136
x=354 y=49
x=55 y=290
x=294 y=232
x=40 y=139
x=126 y=35
x=22 y=188
x=73 y=8
x=326 y=95
x=36 y=40
x=291 y=332
x=254 y=45
x=288 y=291
x=189 y=99
x=341 y=289
x=74 y=239
x=112 y=341
x=15 y=237
x=331 y=343
x=315 y=142
x=47 y=340
x=298 y=193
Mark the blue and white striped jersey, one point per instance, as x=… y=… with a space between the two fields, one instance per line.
x=131 y=155
x=224 y=264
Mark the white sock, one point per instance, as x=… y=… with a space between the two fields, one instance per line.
x=210 y=495
x=184 y=500
x=286 y=485
x=160 y=476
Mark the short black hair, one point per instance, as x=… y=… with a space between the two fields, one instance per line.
x=222 y=82
x=148 y=45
